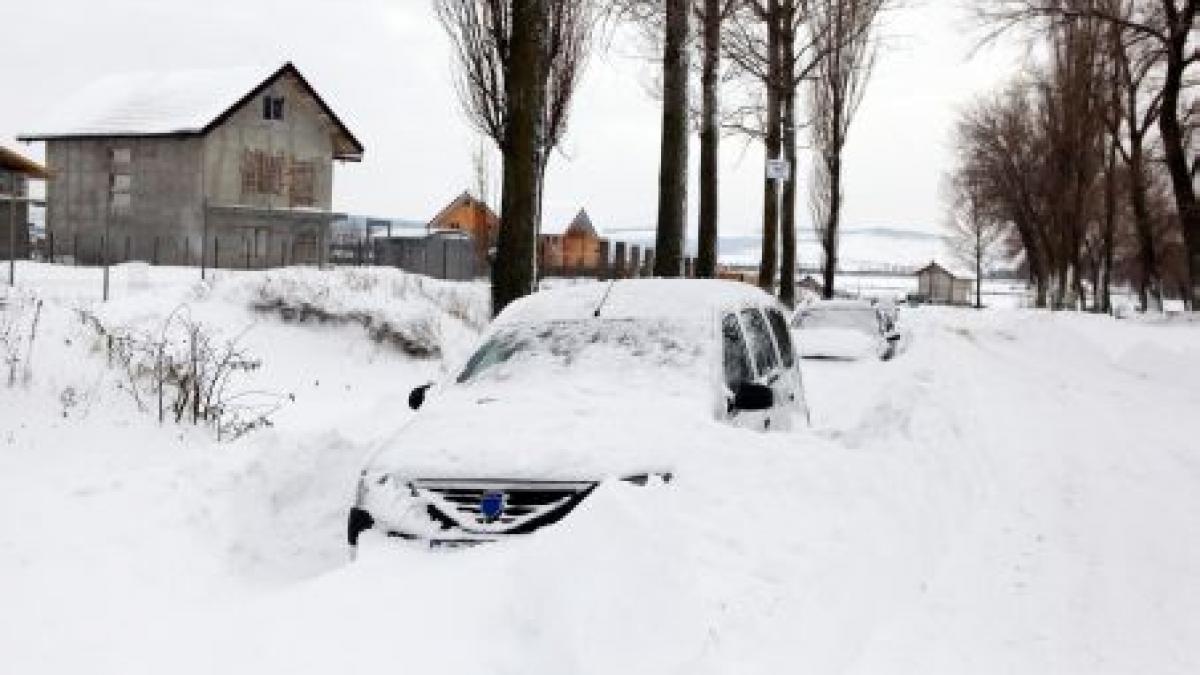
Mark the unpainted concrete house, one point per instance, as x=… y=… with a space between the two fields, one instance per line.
x=235 y=164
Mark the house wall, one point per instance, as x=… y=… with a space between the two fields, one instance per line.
x=165 y=195
x=473 y=219
x=580 y=251
x=936 y=285
x=304 y=135
x=14 y=216
x=171 y=179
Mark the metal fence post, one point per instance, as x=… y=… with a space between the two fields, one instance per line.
x=104 y=255
x=12 y=231
x=216 y=253
x=154 y=257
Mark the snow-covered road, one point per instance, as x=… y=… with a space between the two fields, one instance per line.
x=1017 y=492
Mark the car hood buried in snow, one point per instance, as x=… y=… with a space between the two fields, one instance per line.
x=495 y=432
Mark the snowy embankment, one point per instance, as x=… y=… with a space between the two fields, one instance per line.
x=1017 y=492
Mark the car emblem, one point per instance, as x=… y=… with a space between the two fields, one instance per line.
x=492 y=505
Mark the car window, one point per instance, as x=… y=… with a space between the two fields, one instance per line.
x=593 y=344
x=761 y=346
x=783 y=337
x=864 y=319
x=736 y=356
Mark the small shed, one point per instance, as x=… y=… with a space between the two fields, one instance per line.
x=15 y=172
x=938 y=285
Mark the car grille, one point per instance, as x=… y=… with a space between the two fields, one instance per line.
x=528 y=505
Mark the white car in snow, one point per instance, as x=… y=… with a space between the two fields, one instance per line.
x=575 y=386
x=846 y=330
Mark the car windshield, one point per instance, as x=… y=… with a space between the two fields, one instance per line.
x=608 y=345
x=854 y=318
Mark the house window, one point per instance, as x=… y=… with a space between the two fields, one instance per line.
x=120 y=192
x=302 y=179
x=262 y=174
x=272 y=107
x=120 y=155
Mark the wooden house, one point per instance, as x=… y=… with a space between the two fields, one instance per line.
x=938 y=285
x=473 y=217
x=577 y=247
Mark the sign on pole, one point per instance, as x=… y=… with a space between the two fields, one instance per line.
x=779 y=169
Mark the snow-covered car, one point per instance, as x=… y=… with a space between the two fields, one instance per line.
x=845 y=330
x=572 y=387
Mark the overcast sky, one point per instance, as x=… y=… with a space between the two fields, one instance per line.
x=383 y=65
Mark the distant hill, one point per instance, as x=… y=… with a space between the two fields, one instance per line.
x=868 y=247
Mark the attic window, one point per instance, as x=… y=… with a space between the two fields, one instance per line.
x=272 y=107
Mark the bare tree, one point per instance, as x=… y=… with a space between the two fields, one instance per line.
x=1168 y=29
x=999 y=148
x=976 y=234
x=767 y=44
x=754 y=47
x=519 y=62
x=712 y=16
x=481 y=172
x=843 y=29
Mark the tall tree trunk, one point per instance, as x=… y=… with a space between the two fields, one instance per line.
x=1104 y=270
x=1148 y=290
x=829 y=242
x=770 y=244
x=1171 y=131
x=513 y=275
x=672 y=178
x=710 y=141
x=787 y=225
x=978 y=267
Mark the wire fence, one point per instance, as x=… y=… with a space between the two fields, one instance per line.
x=449 y=257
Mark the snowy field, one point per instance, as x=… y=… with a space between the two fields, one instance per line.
x=1017 y=492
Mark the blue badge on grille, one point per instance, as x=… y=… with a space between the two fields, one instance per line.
x=492 y=505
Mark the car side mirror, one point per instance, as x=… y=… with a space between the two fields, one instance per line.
x=751 y=397
x=416 y=398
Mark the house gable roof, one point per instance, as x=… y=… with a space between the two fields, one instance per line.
x=465 y=199
x=183 y=103
x=957 y=275
x=581 y=226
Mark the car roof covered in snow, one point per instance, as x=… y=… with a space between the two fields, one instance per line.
x=676 y=299
x=838 y=305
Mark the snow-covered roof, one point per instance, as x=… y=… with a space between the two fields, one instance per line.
x=182 y=102
x=686 y=299
x=840 y=304
x=958 y=272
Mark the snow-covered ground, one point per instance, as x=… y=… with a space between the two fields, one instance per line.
x=1018 y=492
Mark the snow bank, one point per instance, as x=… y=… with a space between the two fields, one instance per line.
x=416 y=314
x=1012 y=494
